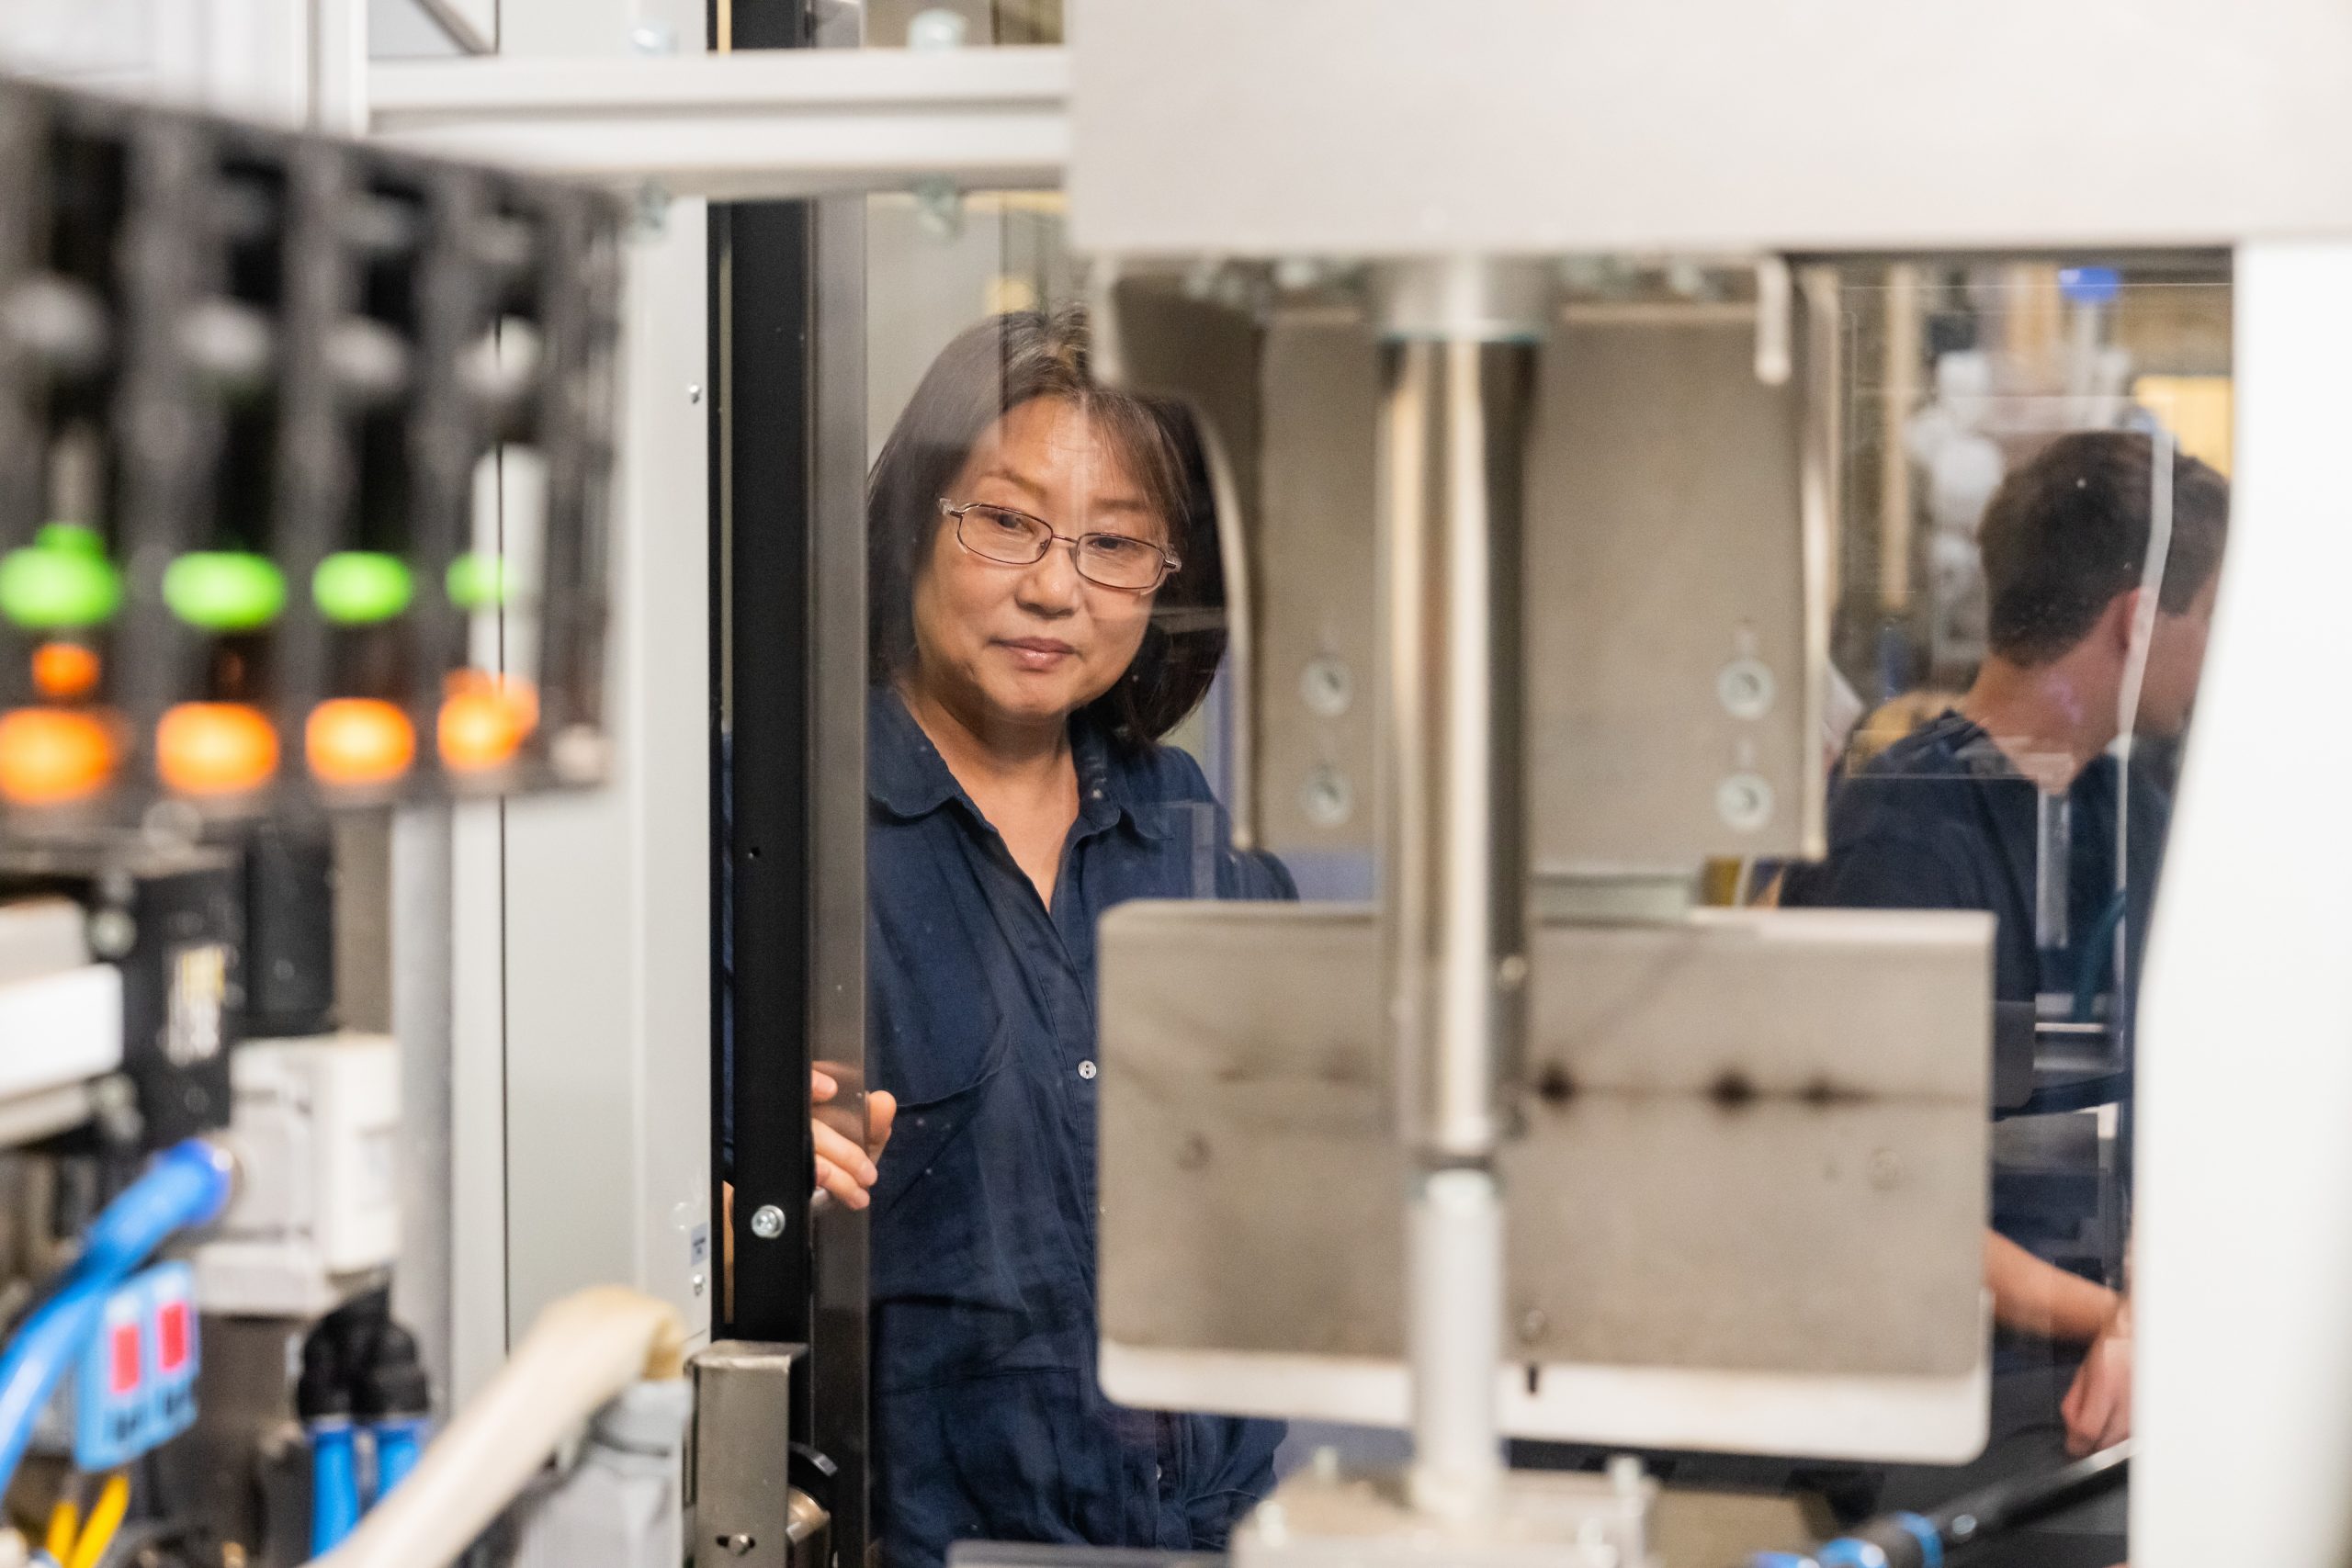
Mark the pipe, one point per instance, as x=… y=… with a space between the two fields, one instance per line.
x=1458 y=373
x=584 y=1349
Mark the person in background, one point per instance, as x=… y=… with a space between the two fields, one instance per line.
x=1047 y=603
x=1947 y=818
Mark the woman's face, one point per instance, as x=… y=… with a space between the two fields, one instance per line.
x=1019 y=645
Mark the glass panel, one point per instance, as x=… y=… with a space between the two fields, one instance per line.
x=2037 y=501
x=1041 y=748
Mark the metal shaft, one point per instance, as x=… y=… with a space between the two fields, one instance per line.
x=1458 y=367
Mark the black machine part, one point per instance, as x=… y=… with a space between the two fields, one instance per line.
x=290 y=931
x=182 y=992
x=1990 y=1513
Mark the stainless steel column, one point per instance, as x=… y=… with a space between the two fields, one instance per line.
x=1459 y=369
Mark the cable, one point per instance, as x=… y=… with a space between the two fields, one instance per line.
x=335 y=1483
x=1948 y=1533
x=583 y=1350
x=64 y=1524
x=105 y=1518
x=323 y=1399
x=187 y=1185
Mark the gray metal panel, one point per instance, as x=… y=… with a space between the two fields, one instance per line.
x=1756 y=1140
x=741 y=1487
x=1664 y=556
x=1667 y=548
x=1375 y=127
x=1317 y=599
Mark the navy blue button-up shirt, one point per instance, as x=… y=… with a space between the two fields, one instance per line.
x=988 y=1423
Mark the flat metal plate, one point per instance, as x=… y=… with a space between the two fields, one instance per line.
x=1675 y=656
x=1755 y=1152
x=1385 y=127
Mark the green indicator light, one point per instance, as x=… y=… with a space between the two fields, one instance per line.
x=479 y=581
x=45 y=588
x=220 y=591
x=76 y=536
x=359 y=587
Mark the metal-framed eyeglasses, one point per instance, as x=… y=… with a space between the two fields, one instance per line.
x=1011 y=537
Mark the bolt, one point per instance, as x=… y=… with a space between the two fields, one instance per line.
x=1297 y=273
x=1745 y=802
x=738 y=1545
x=1532 y=1324
x=939 y=209
x=1744 y=688
x=652 y=216
x=934 y=29
x=1327 y=686
x=1327 y=797
x=114 y=1101
x=694 y=391
x=112 y=932
x=698 y=1282
x=767 y=1221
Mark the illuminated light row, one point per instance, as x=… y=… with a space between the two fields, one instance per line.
x=63 y=581
x=56 y=756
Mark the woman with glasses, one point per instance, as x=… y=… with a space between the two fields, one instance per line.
x=1047 y=603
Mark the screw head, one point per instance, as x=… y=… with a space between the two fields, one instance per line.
x=937 y=28
x=738 y=1545
x=1327 y=686
x=112 y=932
x=1533 y=1326
x=1745 y=802
x=1327 y=797
x=694 y=391
x=767 y=1221
x=1745 y=688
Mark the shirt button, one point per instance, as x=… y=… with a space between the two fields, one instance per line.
x=1086 y=1069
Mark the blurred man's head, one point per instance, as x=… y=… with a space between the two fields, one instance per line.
x=2065 y=544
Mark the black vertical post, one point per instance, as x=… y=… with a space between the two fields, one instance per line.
x=766 y=361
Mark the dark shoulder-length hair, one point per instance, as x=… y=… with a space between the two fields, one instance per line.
x=989 y=370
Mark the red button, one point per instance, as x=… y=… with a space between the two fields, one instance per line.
x=171 y=1336
x=125 y=1358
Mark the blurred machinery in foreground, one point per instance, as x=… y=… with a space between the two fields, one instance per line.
x=247 y=384
x=252 y=385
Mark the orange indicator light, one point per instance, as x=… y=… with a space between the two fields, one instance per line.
x=64 y=671
x=215 y=748
x=50 y=756
x=359 y=740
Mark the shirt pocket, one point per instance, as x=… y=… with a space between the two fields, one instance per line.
x=937 y=1182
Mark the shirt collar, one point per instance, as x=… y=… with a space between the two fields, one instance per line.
x=906 y=777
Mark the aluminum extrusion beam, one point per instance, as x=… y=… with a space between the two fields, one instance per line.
x=755 y=125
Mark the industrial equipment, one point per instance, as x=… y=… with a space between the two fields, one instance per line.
x=514 y=444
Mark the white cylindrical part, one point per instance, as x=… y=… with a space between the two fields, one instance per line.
x=1455 y=1264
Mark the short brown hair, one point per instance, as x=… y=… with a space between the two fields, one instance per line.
x=987 y=372
x=2069 y=531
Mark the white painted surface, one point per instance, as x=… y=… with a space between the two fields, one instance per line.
x=2244 y=1271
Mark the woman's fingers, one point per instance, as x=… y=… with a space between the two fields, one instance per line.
x=845 y=1188
x=881 y=1111
x=854 y=1161
x=821 y=1087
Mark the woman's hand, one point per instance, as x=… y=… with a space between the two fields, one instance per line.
x=843 y=1169
x=2098 y=1408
